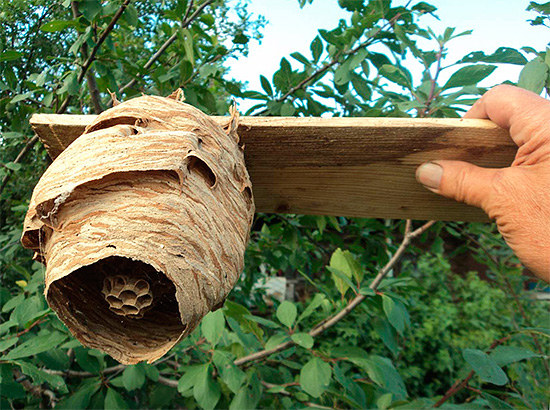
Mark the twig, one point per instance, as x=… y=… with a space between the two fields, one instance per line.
x=356 y=301
x=36 y=391
x=168 y=382
x=461 y=384
x=76 y=373
x=167 y=43
x=35 y=323
x=433 y=80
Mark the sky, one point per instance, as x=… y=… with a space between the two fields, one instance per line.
x=495 y=23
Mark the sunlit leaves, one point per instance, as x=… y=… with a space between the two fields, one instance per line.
x=534 y=75
x=344 y=268
x=212 y=326
x=286 y=313
x=469 y=75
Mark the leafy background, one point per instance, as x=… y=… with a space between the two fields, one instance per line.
x=454 y=324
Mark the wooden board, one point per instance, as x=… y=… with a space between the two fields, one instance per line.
x=361 y=167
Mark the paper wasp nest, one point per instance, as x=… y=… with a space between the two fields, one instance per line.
x=142 y=224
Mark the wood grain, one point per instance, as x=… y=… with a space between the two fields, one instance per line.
x=362 y=167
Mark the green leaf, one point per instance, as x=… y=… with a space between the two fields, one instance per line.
x=20 y=97
x=37 y=344
x=151 y=372
x=70 y=84
x=13 y=166
x=131 y=15
x=367 y=291
x=114 y=400
x=384 y=401
x=230 y=374
x=264 y=322
x=10 y=55
x=485 y=367
x=81 y=397
x=189 y=378
x=56 y=25
x=248 y=396
x=300 y=57
x=396 y=75
x=303 y=339
x=212 y=326
x=266 y=86
x=343 y=267
x=341 y=280
x=133 y=377
x=6 y=344
x=504 y=355
x=38 y=376
x=206 y=391
x=87 y=362
x=469 y=75
x=361 y=87
x=534 y=75
x=495 y=403
x=13 y=302
x=286 y=313
x=316 y=47
x=240 y=38
x=287 y=110
x=315 y=377
x=396 y=312
x=89 y=8
x=313 y=305
x=188 y=45
x=383 y=373
x=276 y=340
x=342 y=75
x=503 y=55
x=387 y=333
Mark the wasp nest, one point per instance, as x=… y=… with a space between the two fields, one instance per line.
x=128 y=296
x=142 y=223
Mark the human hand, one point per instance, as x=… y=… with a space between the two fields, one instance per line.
x=518 y=197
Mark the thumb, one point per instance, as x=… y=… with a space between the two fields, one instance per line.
x=458 y=180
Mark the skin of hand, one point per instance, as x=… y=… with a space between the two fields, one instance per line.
x=517 y=197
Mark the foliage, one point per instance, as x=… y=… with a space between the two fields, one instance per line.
x=430 y=323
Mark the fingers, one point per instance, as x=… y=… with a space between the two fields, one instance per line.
x=522 y=112
x=458 y=180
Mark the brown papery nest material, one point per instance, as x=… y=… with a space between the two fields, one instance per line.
x=142 y=224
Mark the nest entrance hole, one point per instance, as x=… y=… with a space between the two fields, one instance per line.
x=120 y=302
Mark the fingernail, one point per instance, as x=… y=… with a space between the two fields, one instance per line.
x=429 y=175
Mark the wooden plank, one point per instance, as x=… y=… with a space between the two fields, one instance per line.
x=361 y=167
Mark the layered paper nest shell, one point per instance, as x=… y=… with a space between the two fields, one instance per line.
x=142 y=224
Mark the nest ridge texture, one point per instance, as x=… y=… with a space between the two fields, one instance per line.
x=154 y=195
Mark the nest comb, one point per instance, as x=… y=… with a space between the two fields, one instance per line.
x=142 y=223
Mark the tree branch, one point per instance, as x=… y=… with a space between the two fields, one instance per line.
x=185 y=23
x=102 y=38
x=356 y=301
x=28 y=146
x=94 y=51
x=303 y=84
x=433 y=80
x=461 y=384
